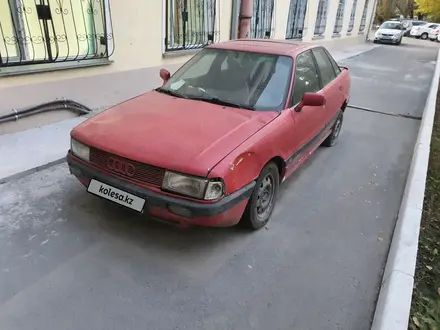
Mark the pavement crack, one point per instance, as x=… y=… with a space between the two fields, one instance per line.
x=384 y=113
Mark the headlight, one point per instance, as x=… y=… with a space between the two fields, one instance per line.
x=192 y=186
x=377 y=34
x=80 y=150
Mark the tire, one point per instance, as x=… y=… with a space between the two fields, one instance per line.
x=424 y=36
x=333 y=138
x=399 y=42
x=262 y=201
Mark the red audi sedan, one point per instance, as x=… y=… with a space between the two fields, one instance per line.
x=212 y=145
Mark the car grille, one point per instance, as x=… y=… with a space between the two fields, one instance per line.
x=126 y=168
x=387 y=35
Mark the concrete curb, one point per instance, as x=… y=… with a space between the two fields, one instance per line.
x=32 y=170
x=394 y=303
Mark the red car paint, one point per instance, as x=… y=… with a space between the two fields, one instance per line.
x=208 y=140
x=160 y=130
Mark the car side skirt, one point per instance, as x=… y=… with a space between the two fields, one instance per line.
x=299 y=156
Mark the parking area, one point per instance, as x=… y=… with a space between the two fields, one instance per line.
x=72 y=261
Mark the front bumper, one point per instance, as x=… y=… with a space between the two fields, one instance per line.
x=226 y=212
x=386 y=40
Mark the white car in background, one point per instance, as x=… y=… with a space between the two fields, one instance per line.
x=433 y=35
x=390 y=32
x=423 y=31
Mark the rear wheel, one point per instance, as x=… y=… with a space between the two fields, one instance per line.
x=262 y=200
x=333 y=138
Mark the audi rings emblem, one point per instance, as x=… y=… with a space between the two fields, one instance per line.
x=120 y=166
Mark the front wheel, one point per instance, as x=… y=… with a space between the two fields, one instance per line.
x=262 y=201
x=333 y=138
x=424 y=36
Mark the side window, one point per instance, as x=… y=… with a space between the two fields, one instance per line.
x=306 y=77
x=333 y=62
x=432 y=26
x=325 y=67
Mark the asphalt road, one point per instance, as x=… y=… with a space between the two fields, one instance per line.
x=71 y=261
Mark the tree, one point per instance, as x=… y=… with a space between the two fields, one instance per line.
x=386 y=9
x=431 y=8
x=405 y=7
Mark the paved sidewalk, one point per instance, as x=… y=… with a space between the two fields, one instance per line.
x=27 y=151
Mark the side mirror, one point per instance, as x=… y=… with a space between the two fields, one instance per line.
x=311 y=100
x=165 y=75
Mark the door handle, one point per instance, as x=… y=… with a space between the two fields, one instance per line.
x=340 y=88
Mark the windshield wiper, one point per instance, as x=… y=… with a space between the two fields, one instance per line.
x=222 y=102
x=170 y=92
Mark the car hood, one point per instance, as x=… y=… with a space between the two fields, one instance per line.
x=178 y=134
x=389 y=31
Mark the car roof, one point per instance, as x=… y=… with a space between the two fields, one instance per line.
x=265 y=46
x=391 y=22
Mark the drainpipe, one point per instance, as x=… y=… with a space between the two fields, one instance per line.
x=244 y=28
x=235 y=18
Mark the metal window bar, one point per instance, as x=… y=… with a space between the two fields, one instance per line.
x=364 y=17
x=190 y=24
x=339 y=17
x=296 y=19
x=49 y=31
x=352 y=16
x=262 y=22
x=321 y=18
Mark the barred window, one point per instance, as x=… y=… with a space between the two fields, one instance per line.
x=36 y=31
x=296 y=19
x=364 y=17
x=321 y=17
x=339 y=17
x=262 y=22
x=352 y=16
x=190 y=24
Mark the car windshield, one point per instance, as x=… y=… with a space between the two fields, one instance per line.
x=234 y=78
x=391 y=26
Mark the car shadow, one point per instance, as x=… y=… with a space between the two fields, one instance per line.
x=90 y=213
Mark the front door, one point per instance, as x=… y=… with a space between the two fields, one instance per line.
x=331 y=87
x=307 y=121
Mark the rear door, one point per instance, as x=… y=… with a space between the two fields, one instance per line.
x=331 y=87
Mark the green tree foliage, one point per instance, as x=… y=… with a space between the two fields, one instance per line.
x=431 y=8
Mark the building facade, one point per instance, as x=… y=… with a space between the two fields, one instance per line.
x=101 y=52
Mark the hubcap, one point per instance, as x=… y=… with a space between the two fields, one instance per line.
x=265 y=196
x=337 y=129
